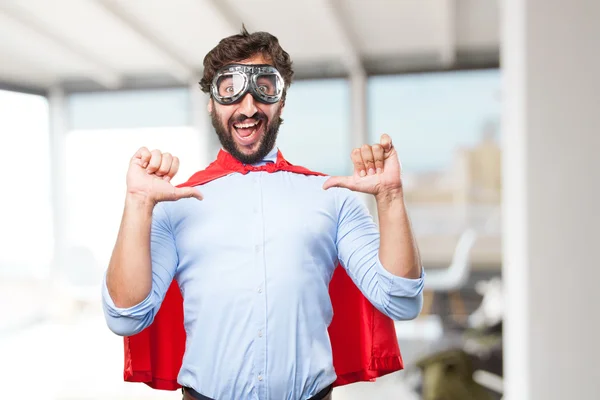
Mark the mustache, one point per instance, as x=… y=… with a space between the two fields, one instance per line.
x=258 y=116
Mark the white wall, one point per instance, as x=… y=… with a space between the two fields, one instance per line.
x=551 y=61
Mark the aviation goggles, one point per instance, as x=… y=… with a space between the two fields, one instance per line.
x=232 y=82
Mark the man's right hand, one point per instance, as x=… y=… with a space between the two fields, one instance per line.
x=149 y=178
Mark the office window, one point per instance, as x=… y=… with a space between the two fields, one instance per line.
x=316 y=129
x=25 y=203
x=96 y=167
x=445 y=127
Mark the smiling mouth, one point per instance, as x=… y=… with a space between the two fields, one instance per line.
x=247 y=132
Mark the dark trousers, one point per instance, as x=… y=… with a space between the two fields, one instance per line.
x=191 y=394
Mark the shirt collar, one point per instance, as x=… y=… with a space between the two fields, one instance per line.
x=271 y=157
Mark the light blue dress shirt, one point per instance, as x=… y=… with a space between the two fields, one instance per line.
x=254 y=260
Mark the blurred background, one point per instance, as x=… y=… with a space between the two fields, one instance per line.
x=85 y=83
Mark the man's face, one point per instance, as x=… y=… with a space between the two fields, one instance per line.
x=247 y=129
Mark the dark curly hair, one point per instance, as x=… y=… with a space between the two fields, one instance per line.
x=243 y=46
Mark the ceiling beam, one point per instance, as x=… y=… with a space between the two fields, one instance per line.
x=179 y=67
x=232 y=18
x=402 y=64
x=448 y=33
x=20 y=88
x=102 y=73
x=339 y=20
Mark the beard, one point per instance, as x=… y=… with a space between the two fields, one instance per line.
x=265 y=145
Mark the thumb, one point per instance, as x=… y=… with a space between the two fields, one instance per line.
x=338 y=181
x=184 y=192
x=386 y=142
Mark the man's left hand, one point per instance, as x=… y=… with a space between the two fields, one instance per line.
x=376 y=170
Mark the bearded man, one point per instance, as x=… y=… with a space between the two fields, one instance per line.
x=225 y=285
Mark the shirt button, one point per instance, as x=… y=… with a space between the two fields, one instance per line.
x=259 y=290
x=257 y=248
x=260 y=378
x=259 y=333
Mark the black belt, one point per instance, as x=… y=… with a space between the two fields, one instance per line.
x=198 y=396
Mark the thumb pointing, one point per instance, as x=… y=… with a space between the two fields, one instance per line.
x=337 y=181
x=185 y=192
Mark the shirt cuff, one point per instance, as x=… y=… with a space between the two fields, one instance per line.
x=137 y=311
x=399 y=286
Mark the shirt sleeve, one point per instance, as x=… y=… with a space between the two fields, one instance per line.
x=131 y=320
x=358 y=252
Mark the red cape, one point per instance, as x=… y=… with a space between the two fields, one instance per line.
x=363 y=339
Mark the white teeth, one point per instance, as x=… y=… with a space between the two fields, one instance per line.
x=244 y=126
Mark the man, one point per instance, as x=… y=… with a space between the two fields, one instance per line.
x=253 y=259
